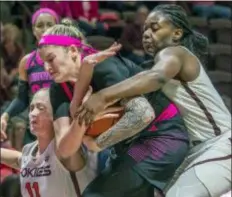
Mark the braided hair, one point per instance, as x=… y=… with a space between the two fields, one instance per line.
x=196 y=42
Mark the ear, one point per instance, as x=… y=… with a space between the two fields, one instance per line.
x=177 y=35
x=73 y=52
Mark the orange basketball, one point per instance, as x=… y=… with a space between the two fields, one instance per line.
x=102 y=125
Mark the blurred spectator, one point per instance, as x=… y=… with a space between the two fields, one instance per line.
x=17 y=131
x=131 y=5
x=11 y=48
x=1 y=33
x=131 y=37
x=10 y=187
x=210 y=9
x=5 y=8
x=60 y=7
x=123 y=6
x=86 y=12
x=6 y=81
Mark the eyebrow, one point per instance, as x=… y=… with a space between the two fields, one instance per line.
x=49 y=55
x=37 y=103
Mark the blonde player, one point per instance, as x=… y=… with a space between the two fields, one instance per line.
x=45 y=171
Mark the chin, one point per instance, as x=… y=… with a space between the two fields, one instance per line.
x=32 y=130
x=58 y=79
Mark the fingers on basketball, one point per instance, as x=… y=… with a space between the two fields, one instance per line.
x=100 y=126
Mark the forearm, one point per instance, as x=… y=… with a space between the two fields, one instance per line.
x=69 y=143
x=16 y=107
x=142 y=83
x=10 y=158
x=81 y=87
x=168 y=64
x=138 y=115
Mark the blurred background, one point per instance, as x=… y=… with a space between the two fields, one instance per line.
x=103 y=22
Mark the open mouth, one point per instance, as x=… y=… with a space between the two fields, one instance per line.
x=53 y=74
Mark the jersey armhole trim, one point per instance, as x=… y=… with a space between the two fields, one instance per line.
x=29 y=60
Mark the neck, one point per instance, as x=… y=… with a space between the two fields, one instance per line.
x=43 y=143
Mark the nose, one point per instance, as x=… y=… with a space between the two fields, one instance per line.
x=34 y=112
x=146 y=35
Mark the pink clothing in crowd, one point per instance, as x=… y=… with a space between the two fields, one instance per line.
x=60 y=7
x=85 y=9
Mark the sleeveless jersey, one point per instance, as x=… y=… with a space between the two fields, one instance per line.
x=201 y=107
x=45 y=176
x=37 y=77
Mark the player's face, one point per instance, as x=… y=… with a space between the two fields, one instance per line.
x=158 y=33
x=60 y=62
x=42 y=23
x=40 y=114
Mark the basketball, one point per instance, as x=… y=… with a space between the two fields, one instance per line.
x=100 y=126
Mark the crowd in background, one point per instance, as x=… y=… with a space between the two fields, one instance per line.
x=102 y=23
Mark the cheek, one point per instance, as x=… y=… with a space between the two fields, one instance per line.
x=37 y=33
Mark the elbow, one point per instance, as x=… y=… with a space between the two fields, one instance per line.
x=142 y=110
x=148 y=116
x=64 y=153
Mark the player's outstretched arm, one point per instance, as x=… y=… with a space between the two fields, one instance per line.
x=11 y=158
x=138 y=115
x=167 y=65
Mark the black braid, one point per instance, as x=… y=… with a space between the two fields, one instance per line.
x=196 y=42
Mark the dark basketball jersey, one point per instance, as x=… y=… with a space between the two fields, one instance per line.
x=37 y=76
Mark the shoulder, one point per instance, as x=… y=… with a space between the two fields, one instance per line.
x=25 y=60
x=27 y=148
x=106 y=64
x=115 y=64
x=111 y=71
x=175 y=52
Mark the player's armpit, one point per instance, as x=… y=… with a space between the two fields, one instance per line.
x=75 y=163
x=138 y=115
x=11 y=158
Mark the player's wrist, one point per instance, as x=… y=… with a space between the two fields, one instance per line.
x=104 y=97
